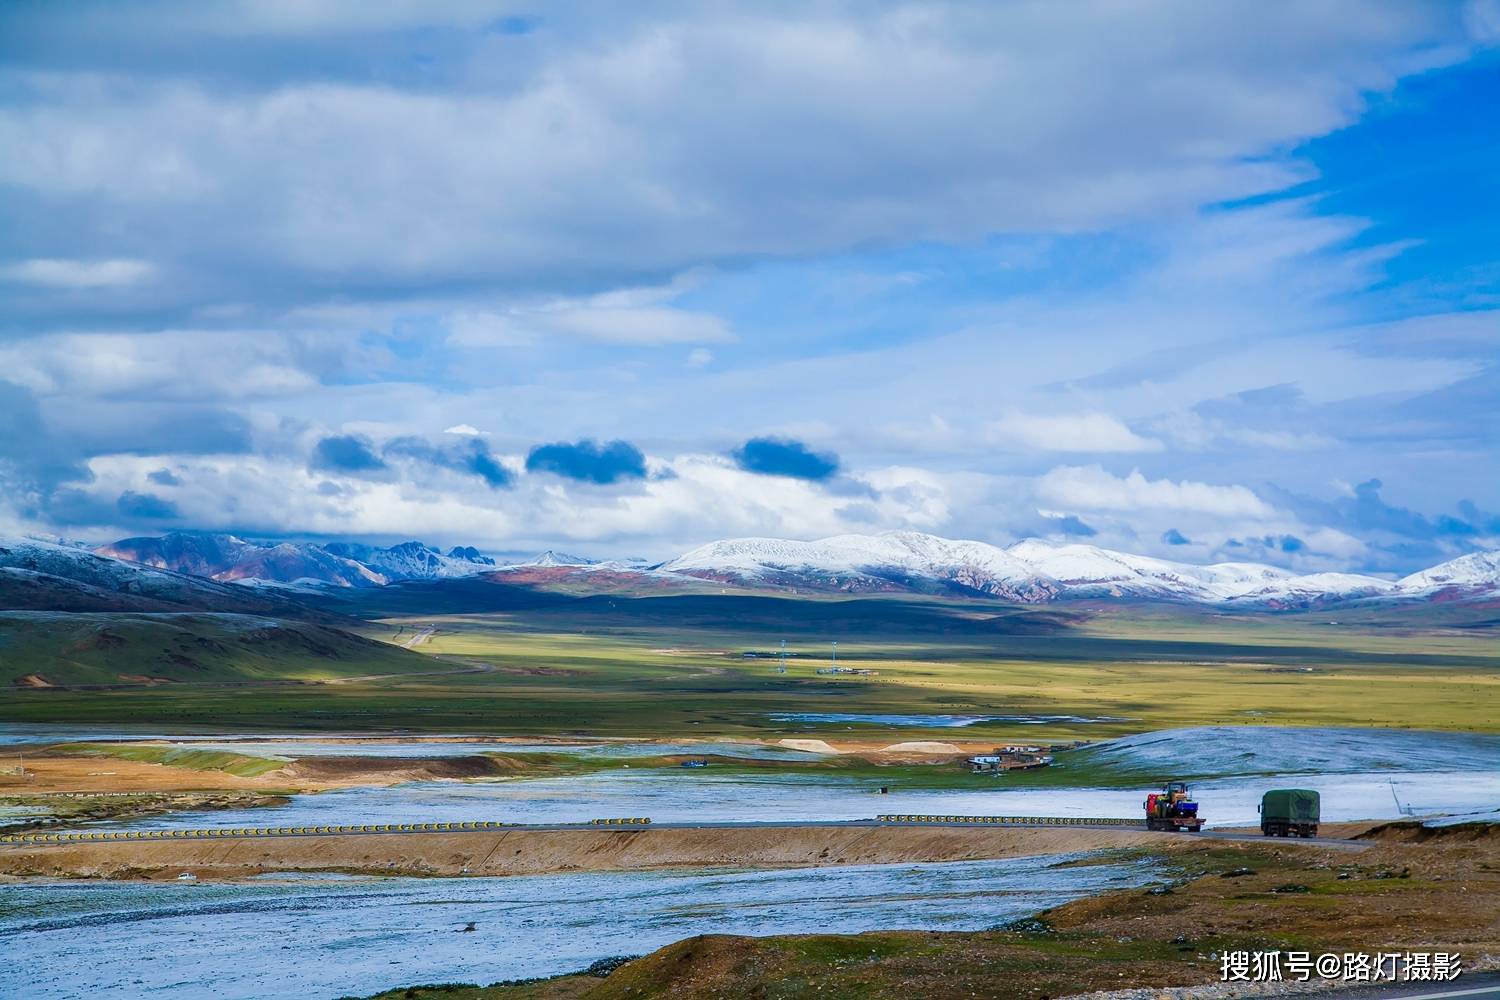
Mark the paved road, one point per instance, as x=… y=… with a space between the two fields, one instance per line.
x=628 y=823
x=1484 y=986
x=422 y=636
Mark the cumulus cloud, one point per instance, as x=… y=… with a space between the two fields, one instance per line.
x=589 y=461
x=145 y=506
x=1082 y=432
x=771 y=456
x=577 y=217
x=346 y=453
x=1070 y=525
x=646 y=136
x=1092 y=488
x=471 y=457
x=1398 y=537
x=697 y=496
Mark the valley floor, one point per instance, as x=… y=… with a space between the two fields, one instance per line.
x=1413 y=890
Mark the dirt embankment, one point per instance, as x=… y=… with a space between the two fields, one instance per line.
x=46 y=775
x=531 y=852
x=50 y=775
x=333 y=771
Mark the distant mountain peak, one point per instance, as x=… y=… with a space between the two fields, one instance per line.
x=554 y=558
x=231 y=559
x=1032 y=570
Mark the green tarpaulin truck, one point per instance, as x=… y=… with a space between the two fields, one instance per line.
x=1289 y=812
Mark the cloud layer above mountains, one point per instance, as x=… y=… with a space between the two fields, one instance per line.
x=640 y=277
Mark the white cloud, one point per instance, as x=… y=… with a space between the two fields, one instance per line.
x=635 y=316
x=700 y=357
x=689 y=498
x=660 y=140
x=464 y=430
x=1187 y=429
x=57 y=273
x=180 y=364
x=1092 y=488
x=1086 y=432
x=645 y=325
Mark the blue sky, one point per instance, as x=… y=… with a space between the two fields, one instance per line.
x=1207 y=284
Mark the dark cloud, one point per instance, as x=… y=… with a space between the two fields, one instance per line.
x=1290 y=543
x=148 y=428
x=346 y=453
x=1487 y=523
x=1174 y=537
x=471 y=457
x=146 y=506
x=164 y=477
x=32 y=458
x=1073 y=526
x=785 y=457
x=589 y=461
x=1401 y=539
x=1370 y=512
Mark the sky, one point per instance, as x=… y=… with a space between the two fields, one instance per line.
x=1207 y=282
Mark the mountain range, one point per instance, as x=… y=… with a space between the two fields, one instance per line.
x=230 y=559
x=1030 y=571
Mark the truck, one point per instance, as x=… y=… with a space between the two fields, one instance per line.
x=1171 y=809
x=1287 y=812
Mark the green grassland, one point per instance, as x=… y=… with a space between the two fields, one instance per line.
x=72 y=650
x=704 y=666
x=243 y=765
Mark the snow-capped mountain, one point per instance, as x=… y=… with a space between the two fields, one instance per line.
x=1030 y=570
x=553 y=558
x=415 y=560
x=1475 y=574
x=231 y=559
x=1033 y=570
x=44 y=576
x=893 y=561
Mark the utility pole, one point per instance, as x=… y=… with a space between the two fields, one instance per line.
x=781 y=669
x=835 y=655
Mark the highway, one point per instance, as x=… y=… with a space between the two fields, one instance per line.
x=637 y=823
x=1483 y=986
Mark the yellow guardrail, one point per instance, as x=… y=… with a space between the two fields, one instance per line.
x=1012 y=820
x=67 y=837
x=621 y=821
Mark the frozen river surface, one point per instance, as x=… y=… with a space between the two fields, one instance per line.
x=328 y=938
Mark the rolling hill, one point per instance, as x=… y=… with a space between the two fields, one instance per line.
x=79 y=650
x=42 y=576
